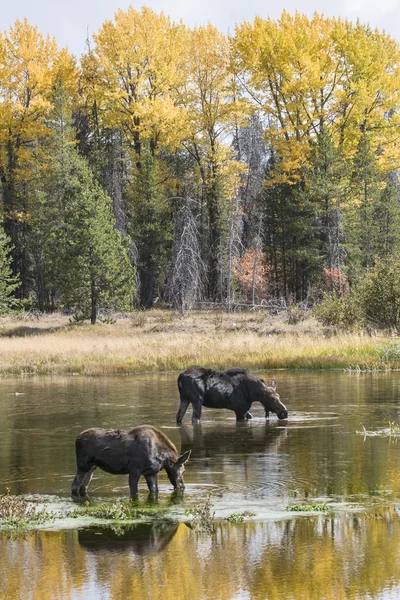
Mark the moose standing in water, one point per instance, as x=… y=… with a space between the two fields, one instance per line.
x=143 y=450
x=235 y=389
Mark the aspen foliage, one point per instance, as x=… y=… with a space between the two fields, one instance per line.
x=132 y=73
x=286 y=132
x=306 y=73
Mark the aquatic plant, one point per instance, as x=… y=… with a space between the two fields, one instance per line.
x=314 y=507
x=392 y=431
x=18 y=512
x=239 y=517
x=202 y=517
x=119 y=511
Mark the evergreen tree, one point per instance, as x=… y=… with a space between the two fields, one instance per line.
x=8 y=282
x=291 y=238
x=327 y=178
x=366 y=185
x=386 y=220
x=86 y=260
x=151 y=225
x=91 y=268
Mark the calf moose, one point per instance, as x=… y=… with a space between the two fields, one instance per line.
x=144 y=450
x=235 y=389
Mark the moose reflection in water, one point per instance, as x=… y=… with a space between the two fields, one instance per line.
x=142 y=539
x=242 y=438
x=235 y=389
x=143 y=450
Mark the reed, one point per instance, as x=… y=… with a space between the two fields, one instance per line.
x=166 y=341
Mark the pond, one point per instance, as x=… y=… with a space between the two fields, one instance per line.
x=261 y=467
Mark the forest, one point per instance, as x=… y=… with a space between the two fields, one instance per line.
x=178 y=166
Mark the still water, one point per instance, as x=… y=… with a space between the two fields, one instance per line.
x=316 y=456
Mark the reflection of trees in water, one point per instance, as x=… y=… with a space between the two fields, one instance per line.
x=325 y=461
x=142 y=539
x=346 y=557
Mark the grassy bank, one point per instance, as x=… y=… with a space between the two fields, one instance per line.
x=166 y=341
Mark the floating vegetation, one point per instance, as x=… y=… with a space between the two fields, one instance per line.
x=202 y=517
x=392 y=431
x=314 y=507
x=120 y=511
x=19 y=512
x=239 y=517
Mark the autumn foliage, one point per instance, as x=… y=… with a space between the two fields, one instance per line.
x=251 y=273
x=287 y=130
x=336 y=281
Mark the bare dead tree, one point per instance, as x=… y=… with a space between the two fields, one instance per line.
x=249 y=144
x=186 y=282
x=231 y=249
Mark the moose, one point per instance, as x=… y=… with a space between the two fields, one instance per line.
x=144 y=450
x=235 y=389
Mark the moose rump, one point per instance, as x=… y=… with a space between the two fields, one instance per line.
x=143 y=450
x=235 y=389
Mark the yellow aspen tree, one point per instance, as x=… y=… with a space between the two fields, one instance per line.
x=209 y=93
x=131 y=73
x=130 y=77
x=30 y=66
x=307 y=73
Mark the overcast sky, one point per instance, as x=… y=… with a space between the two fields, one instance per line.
x=69 y=21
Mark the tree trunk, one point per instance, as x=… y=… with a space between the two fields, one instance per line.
x=93 y=309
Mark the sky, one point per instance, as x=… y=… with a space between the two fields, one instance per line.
x=70 y=21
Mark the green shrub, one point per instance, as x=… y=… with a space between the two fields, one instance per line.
x=345 y=310
x=379 y=293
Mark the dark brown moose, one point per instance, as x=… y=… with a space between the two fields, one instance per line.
x=235 y=389
x=143 y=450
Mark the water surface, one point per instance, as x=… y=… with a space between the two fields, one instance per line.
x=256 y=466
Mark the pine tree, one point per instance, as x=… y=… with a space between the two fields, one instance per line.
x=151 y=225
x=8 y=282
x=291 y=239
x=327 y=176
x=366 y=187
x=86 y=259
x=92 y=268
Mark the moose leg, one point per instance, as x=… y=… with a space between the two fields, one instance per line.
x=197 y=406
x=78 y=480
x=240 y=416
x=182 y=409
x=87 y=478
x=152 y=483
x=248 y=415
x=134 y=476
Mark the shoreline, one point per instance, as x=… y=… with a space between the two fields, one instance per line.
x=162 y=341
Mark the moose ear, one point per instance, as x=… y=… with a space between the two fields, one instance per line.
x=273 y=384
x=182 y=459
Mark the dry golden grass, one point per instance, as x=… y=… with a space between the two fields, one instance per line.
x=166 y=341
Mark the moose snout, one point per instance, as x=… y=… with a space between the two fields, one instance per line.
x=283 y=414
